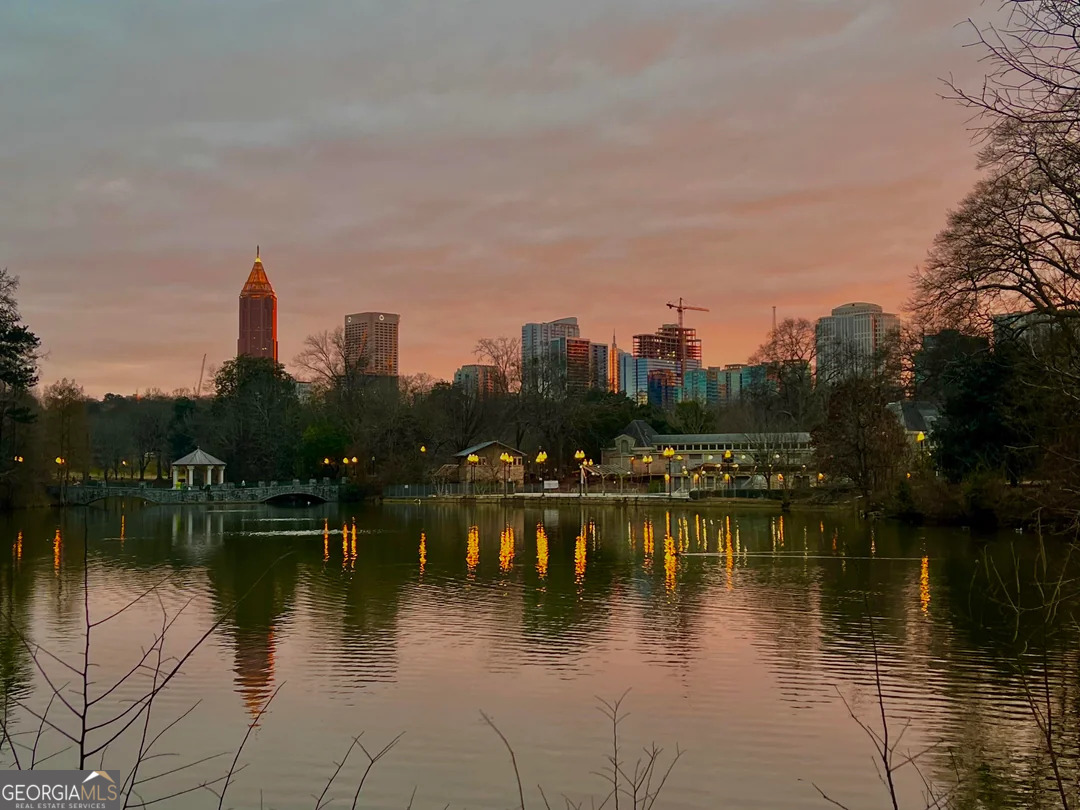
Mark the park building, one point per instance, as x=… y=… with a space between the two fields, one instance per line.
x=750 y=460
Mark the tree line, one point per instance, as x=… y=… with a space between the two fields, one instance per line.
x=1002 y=279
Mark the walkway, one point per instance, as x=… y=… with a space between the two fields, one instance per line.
x=88 y=493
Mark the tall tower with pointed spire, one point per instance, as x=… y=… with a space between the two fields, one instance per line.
x=258 y=315
x=614 y=384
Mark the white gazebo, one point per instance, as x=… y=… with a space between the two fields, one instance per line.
x=213 y=469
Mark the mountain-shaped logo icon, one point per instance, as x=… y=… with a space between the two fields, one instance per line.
x=96 y=774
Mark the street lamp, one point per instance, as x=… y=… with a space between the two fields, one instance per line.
x=507 y=460
x=473 y=460
x=541 y=459
x=579 y=456
x=647 y=460
x=669 y=454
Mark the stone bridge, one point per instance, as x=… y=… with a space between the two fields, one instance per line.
x=228 y=493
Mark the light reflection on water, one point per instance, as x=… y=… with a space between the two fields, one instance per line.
x=733 y=647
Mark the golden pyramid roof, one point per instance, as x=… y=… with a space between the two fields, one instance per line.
x=257 y=282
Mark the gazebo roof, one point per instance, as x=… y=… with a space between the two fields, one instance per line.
x=199 y=459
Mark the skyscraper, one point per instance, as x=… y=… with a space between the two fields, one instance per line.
x=598 y=366
x=476 y=380
x=634 y=375
x=671 y=342
x=536 y=340
x=849 y=340
x=371 y=338
x=663 y=388
x=258 y=315
x=613 y=367
x=571 y=359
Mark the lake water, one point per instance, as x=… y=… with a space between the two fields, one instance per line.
x=415 y=618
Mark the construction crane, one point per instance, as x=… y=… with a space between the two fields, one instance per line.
x=202 y=369
x=680 y=308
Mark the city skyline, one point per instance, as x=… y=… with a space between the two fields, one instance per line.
x=617 y=158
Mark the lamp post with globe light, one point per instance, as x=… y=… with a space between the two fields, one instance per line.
x=541 y=459
x=669 y=454
x=507 y=460
x=472 y=460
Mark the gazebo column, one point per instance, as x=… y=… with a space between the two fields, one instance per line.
x=190 y=476
x=221 y=475
x=209 y=474
x=175 y=476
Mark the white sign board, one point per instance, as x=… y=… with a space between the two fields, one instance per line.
x=551 y=484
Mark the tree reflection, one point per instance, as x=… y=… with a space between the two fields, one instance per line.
x=550 y=588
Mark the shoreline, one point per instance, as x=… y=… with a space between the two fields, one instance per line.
x=566 y=500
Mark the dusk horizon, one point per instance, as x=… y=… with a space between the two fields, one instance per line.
x=634 y=404
x=591 y=163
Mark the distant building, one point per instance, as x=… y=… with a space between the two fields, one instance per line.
x=849 y=340
x=729 y=383
x=536 y=340
x=258 y=315
x=613 y=379
x=303 y=391
x=758 y=379
x=373 y=337
x=702 y=386
x=663 y=389
x=598 y=366
x=476 y=380
x=678 y=345
x=570 y=359
x=634 y=375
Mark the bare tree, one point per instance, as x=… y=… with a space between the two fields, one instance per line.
x=66 y=427
x=792 y=341
x=324 y=361
x=1034 y=62
x=504 y=354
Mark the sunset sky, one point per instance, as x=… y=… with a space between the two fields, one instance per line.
x=469 y=164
